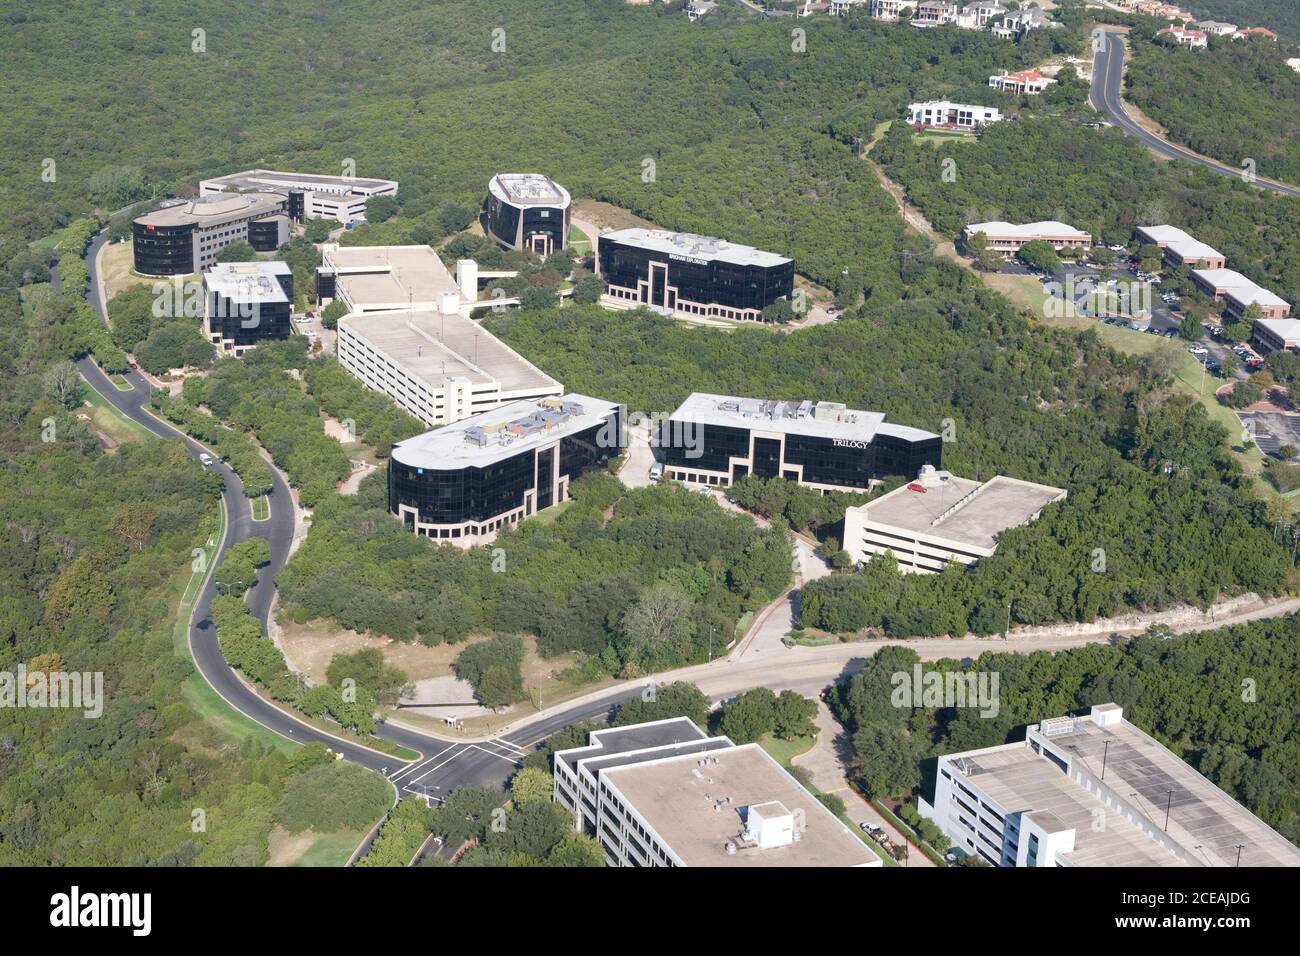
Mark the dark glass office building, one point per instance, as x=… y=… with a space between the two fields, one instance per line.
x=464 y=482
x=684 y=274
x=247 y=303
x=528 y=211
x=717 y=439
x=163 y=250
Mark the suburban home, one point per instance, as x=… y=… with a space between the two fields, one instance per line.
x=932 y=13
x=1255 y=33
x=1216 y=28
x=1192 y=39
x=885 y=9
x=1028 y=82
x=941 y=114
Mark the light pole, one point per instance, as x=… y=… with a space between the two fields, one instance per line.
x=1239 y=849
x=1169 y=802
x=712 y=628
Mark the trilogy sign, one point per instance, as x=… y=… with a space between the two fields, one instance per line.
x=847 y=443
x=694 y=262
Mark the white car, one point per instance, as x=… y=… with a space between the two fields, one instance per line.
x=205 y=459
x=1198 y=350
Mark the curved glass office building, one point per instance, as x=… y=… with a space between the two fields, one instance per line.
x=528 y=211
x=465 y=482
x=184 y=236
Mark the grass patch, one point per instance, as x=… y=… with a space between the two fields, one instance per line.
x=784 y=751
x=579 y=241
x=331 y=849
x=48 y=243
x=108 y=419
x=549 y=515
x=261 y=506
x=121 y=384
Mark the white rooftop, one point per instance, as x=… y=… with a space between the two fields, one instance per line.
x=528 y=189
x=1031 y=230
x=248 y=281
x=435 y=346
x=690 y=246
x=504 y=432
x=1186 y=245
x=1286 y=329
x=824 y=419
x=1239 y=288
x=389 y=277
x=278 y=179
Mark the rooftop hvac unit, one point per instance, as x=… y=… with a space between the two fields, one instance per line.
x=730 y=848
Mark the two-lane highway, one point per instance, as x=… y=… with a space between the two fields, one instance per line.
x=1107 y=97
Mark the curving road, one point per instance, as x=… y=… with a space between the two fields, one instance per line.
x=1107 y=97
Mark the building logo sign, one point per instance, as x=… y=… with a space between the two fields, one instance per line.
x=692 y=261
x=848 y=443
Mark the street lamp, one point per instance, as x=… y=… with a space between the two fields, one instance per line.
x=1239 y=848
x=1169 y=802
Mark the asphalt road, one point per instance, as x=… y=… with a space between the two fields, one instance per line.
x=1107 y=98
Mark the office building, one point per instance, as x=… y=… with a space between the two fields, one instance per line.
x=940 y=519
x=960 y=117
x=308 y=196
x=528 y=211
x=691 y=276
x=184 y=236
x=665 y=794
x=440 y=367
x=1180 y=248
x=245 y=303
x=1027 y=82
x=1094 y=791
x=1007 y=238
x=718 y=439
x=1239 y=294
x=465 y=482
x=386 y=278
x=1274 y=335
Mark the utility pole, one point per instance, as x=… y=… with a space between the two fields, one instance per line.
x=1006 y=635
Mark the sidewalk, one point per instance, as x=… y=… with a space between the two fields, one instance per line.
x=828 y=764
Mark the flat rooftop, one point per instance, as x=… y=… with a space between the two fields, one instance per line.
x=248 y=281
x=262 y=178
x=211 y=210
x=613 y=742
x=433 y=347
x=679 y=805
x=793 y=417
x=528 y=189
x=389 y=277
x=982 y=510
x=504 y=431
x=690 y=246
x=1202 y=818
x=1019 y=780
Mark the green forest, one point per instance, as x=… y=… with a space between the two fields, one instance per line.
x=1238 y=112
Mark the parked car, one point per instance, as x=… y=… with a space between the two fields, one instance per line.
x=1198 y=350
x=656 y=471
x=868 y=827
x=205 y=459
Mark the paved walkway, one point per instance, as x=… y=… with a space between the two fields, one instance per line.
x=829 y=762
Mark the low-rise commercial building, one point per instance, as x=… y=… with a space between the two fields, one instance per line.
x=1274 y=335
x=183 y=237
x=1026 y=82
x=308 y=195
x=245 y=303
x=1239 y=294
x=940 y=519
x=440 y=367
x=528 y=211
x=463 y=483
x=1094 y=791
x=714 y=440
x=665 y=794
x=692 y=276
x=961 y=117
x=1008 y=238
x=1180 y=248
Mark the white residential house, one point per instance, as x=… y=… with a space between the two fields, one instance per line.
x=698 y=8
x=1021 y=22
x=1216 y=28
x=933 y=13
x=943 y=114
x=1028 y=82
x=977 y=16
x=1192 y=39
x=890 y=9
